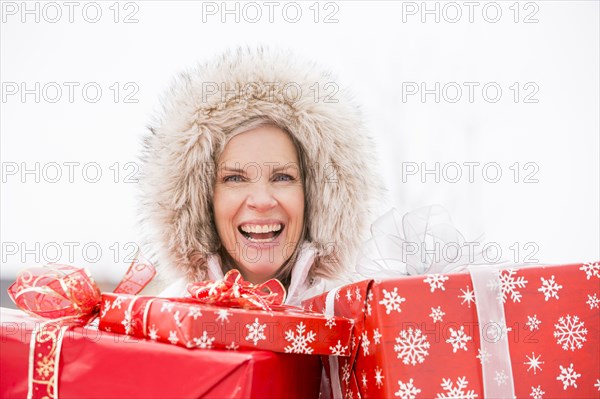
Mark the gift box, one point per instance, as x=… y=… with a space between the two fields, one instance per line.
x=98 y=364
x=528 y=332
x=185 y=322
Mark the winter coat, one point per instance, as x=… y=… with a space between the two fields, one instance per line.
x=202 y=107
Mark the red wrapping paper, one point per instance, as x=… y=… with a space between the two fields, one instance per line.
x=418 y=337
x=187 y=323
x=97 y=364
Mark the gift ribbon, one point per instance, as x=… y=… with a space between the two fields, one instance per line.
x=69 y=297
x=234 y=291
x=423 y=241
x=497 y=374
x=334 y=365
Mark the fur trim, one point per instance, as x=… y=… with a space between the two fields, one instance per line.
x=200 y=110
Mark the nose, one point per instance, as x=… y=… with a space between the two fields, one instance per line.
x=261 y=197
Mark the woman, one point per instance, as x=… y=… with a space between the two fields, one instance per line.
x=259 y=163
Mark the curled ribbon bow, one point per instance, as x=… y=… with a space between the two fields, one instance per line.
x=234 y=291
x=66 y=296
x=425 y=241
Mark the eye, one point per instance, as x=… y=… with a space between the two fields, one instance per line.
x=233 y=179
x=283 y=177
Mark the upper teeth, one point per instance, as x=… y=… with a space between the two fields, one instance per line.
x=255 y=228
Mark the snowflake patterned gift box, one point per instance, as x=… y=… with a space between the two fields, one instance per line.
x=97 y=364
x=421 y=337
x=187 y=323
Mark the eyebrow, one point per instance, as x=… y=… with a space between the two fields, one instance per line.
x=290 y=165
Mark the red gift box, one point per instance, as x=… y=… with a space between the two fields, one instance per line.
x=187 y=323
x=97 y=364
x=420 y=336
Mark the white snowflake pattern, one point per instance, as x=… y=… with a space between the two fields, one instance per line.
x=458 y=339
x=369 y=300
x=549 y=288
x=437 y=314
x=357 y=294
x=195 y=312
x=204 y=342
x=330 y=321
x=507 y=284
x=167 y=306
x=456 y=392
x=299 y=340
x=412 y=346
x=534 y=362
x=232 y=346
x=339 y=349
x=223 y=316
x=436 y=281
x=346 y=372
x=568 y=376
x=379 y=377
x=597 y=384
x=501 y=378
x=364 y=343
x=570 y=332
x=533 y=322
x=349 y=295
x=407 y=390
x=153 y=333
x=364 y=380
x=105 y=308
x=376 y=336
x=593 y=301
x=177 y=318
x=537 y=393
x=256 y=331
x=117 y=302
x=591 y=270
x=467 y=296
x=127 y=322
x=391 y=301
x=483 y=356
x=173 y=338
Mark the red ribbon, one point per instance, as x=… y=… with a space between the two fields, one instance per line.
x=234 y=291
x=68 y=296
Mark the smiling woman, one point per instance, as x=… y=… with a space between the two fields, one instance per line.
x=259 y=207
x=259 y=163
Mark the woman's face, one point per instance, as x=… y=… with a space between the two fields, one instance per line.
x=259 y=201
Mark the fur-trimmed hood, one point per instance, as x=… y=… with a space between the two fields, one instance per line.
x=203 y=106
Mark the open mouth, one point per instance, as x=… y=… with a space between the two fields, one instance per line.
x=261 y=233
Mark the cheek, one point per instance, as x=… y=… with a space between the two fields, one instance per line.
x=224 y=208
x=294 y=206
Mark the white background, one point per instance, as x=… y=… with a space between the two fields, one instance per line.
x=377 y=49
